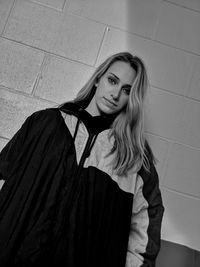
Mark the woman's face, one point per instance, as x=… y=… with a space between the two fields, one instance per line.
x=113 y=89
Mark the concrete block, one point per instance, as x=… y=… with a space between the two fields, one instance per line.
x=181 y=219
x=168 y=68
x=19 y=66
x=34 y=24
x=191 y=4
x=5 y=7
x=194 y=88
x=160 y=148
x=191 y=123
x=179 y=27
x=182 y=172
x=57 y=4
x=164 y=114
x=136 y=16
x=61 y=79
x=79 y=39
x=54 y=31
x=14 y=109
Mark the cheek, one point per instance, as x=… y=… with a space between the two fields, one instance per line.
x=124 y=101
x=101 y=89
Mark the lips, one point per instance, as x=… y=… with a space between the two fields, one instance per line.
x=110 y=102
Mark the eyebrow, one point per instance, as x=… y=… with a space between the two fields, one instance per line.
x=119 y=79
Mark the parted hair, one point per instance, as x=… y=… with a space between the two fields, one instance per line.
x=129 y=148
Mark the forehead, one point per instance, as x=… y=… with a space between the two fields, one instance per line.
x=123 y=71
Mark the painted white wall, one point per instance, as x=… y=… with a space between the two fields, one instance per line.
x=49 y=48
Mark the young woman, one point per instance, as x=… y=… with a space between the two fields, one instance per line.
x=80 y=185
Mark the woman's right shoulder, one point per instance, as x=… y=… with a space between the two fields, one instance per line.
x=48 y=113
x=44 y=117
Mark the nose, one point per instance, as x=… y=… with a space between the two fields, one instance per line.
x=115 y=94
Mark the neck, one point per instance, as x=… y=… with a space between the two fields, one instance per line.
x=92 y=109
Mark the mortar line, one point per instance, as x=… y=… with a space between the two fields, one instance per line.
x=9 y=15
x=101 y=44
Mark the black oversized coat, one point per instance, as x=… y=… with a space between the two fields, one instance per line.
x=62 y=204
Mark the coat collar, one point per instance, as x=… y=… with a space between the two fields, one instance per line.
x=94 y=124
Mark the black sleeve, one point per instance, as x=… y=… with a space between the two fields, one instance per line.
x=145 y=231
x=12 y=149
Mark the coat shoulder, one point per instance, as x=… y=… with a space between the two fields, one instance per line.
x=48 y=116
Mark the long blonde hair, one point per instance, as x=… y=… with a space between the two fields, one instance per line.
x=128 y=126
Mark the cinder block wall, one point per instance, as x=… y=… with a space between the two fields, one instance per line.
x=49 y=48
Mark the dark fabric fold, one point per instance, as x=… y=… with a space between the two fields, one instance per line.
x=43 y=221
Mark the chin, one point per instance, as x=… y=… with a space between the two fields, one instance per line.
x=108 y=111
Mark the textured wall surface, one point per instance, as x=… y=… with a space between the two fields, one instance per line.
x=49 y=48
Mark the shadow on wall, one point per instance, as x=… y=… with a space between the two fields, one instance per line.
x=175 y=255
x=141 y=20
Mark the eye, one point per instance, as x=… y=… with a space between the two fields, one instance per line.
x=112 y=81
x=126 y=90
